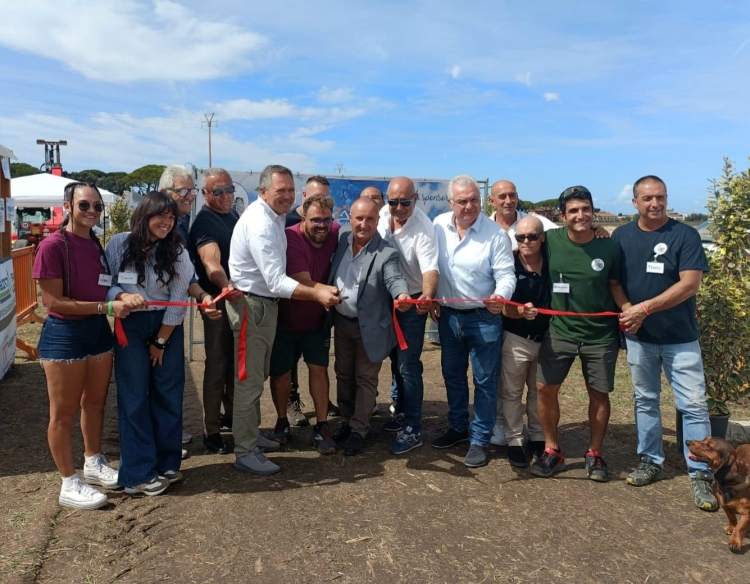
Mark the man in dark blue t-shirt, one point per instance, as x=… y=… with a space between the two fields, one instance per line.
x=664 y=263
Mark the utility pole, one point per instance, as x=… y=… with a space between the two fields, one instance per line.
x=209 y=122
x=340 y=168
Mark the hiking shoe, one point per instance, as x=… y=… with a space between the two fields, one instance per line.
x=517 y=456
x=186 y=437
x=476 y=457
x=294 y=412
x=450 y=439
x=255 y=462
x=173 y=476
x=342 y=432
x=267 y=445
x=536 y=448
x=333 y=410
x=549 y=463
x=406 y=440
x=701 y=488
x=156 y=486
x=281 y=432
x=394 y=424
x=596 y=468
x=78 y=495
x=647 y=472
x=323 y=439
x=498 y=436
x=355 y=445
x=185 y=454
x=215 y=443
x=96 y=471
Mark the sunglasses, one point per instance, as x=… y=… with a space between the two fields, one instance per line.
x=184 y=192
x=571 y=193
x=520 y=238
x=402 y=202
x=221 y=190
x=85 y=206
x=318 y=221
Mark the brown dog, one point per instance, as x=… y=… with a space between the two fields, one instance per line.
x=731 y=469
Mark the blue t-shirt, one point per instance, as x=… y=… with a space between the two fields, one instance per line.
x=683 y=252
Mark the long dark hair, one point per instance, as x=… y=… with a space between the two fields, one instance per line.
x=138 y=246
x=68 y=195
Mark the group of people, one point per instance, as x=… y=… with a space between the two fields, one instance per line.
x=289 y=275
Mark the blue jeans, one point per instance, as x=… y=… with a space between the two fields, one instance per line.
x=149 y=401
x=683 y=367
x=411 y=390
x=477 y=336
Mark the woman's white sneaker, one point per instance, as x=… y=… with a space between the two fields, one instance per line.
x=96 y=471
x=78 y=495
x=156 y=486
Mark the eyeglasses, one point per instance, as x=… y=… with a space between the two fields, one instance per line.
x=521 y=237
x=85 y=206
x=184 y=192
x=402 y=202
x=229 y=189
x=318 y=221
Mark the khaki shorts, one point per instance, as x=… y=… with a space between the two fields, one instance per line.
x=598 y=362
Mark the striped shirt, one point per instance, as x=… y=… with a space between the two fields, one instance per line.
x=153 y=289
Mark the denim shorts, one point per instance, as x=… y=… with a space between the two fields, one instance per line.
x=65 y=339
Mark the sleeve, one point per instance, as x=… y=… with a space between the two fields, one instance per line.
x=426 y=247
x=392 y=276
x=114 y=251
x=201 y=232
x=296 y=254
x=49 y=263
x=615 y=270
x=264 y=248
x=503 y=266
x=692 y=255
x=178 y=290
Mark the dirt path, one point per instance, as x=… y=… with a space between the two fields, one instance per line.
x=374 y=518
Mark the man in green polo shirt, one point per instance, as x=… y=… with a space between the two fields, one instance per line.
x=585 y=274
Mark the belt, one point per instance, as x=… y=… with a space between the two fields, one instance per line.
x=253 y=295
x=532 y=338
x=466 y=310
x=351 y=318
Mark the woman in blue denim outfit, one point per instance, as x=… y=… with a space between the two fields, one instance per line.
x=75 y=346
x=150 y=261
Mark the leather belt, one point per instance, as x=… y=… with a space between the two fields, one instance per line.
x=253 y=295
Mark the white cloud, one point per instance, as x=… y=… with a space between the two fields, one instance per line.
x=245 y=109
x=455 y=71
x=328 y=95
x=626 y=194
x=549 y=96
x=124 y=41
x=524 y=78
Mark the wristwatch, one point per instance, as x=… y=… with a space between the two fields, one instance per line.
x=160 y=343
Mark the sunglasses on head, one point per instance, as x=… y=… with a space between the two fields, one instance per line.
x=520 y=238
x=85 y=206
x=318 y=221
x=402 y=202
x=229 y=189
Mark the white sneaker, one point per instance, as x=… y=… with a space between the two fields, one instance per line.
x=96 y=471
x=78 y=495
x=173 y=476
x=186 y=437
x=498 y=436
x=155 y=486
x=185 y=454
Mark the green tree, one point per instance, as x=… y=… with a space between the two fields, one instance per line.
x=696 y=217
x=145 y=178
x=119 y=216
x=525 y=205
x=18 y=169
x=113 y=182
x=87 y=176
x=723 y=302
x=546 y=203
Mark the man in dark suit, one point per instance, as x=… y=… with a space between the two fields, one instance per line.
x=365 y=270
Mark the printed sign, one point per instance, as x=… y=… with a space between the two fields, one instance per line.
x=7 y=316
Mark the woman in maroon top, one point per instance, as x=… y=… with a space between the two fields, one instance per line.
x=76 y=343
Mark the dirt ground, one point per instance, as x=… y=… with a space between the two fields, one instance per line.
x=421 y=517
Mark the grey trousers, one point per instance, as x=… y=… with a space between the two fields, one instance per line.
x=356 y=375
x=261 y=317
x=218 y=377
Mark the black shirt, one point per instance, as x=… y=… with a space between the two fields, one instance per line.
x=534 y=288
x=292 y=218
x=212 y=227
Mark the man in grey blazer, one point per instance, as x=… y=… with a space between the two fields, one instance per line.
x=365 y=270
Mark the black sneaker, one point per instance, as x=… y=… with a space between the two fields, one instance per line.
x=647 y=472
x=517 y=456
x=476 y=456
x=281 y=432
x=395 y=424
x=355 y=445
x=342 y=432
x=215 y=443
x=551 y=462
x=323 y=439
x=596 y=468
x=536 y=449
x=450 y=439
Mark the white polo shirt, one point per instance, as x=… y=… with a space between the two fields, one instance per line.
x=416 y=244
x=546 y=223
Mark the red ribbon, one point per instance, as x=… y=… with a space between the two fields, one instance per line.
x=402 y=341
x=242 y=347
x=122 y=338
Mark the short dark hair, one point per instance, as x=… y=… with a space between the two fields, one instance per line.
x=647 y=178
x=578 y=192
x=318 y=179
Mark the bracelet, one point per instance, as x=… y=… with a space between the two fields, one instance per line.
x=109 y=308
x=99 y=308
x=643 y=306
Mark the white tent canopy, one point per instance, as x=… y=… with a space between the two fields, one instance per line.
x=45 y=190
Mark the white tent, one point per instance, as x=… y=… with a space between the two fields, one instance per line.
x=45 y=190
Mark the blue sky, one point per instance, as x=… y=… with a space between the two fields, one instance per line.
x=546 y=94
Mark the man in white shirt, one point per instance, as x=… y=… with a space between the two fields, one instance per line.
x=476 y=264
x=504 y=198
x=411 y=232
x=257 y=267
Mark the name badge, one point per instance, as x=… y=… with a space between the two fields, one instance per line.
x=105 y=280
x=561 y=287
x=127 y=278
x=654 y=268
